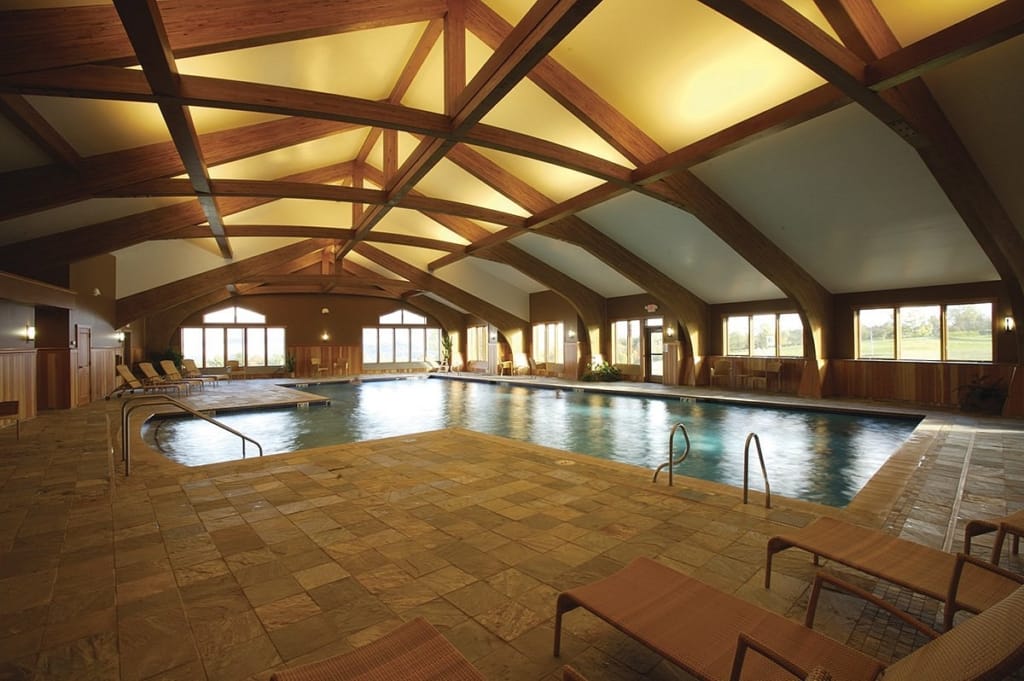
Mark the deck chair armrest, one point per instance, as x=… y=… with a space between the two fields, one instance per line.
x=746 y=642
x=962 y=559
x=842 y=585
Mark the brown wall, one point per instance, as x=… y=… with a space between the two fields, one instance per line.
x=95 y=311
x=13 y=318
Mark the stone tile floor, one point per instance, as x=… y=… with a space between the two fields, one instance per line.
x=227 y=572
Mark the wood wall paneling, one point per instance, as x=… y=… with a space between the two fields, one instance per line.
x=53 y=381
x=18 y=380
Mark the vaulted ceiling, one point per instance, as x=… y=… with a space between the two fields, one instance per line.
x=477 y=151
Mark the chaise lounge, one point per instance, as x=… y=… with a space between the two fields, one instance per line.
x=958 y=583
x=715 y=636
x=1012 y=525
x=130 y=383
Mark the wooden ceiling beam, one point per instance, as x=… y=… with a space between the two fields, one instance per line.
x=278 y=189
x=794 y=34
x=311 y=232
x=143 y=24
x=23 y=116
x=100 y=82
x=588 y=303
x=111 y=235
x=507 y=322
x=92 y=34
x=989 y=27
x=158 y=298
x=545 y=24
x=24 y=191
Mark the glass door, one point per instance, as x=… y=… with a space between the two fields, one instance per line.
x=654 y=348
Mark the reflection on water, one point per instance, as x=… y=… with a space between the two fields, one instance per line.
x=822 y=457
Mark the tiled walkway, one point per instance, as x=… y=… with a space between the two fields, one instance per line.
x=229 y=571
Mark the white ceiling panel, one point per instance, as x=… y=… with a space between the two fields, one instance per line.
x=681 y=247
x=897 y=229
x=576 y=263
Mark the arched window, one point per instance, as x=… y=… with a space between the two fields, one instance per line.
x=234 y=334
x=402 y=336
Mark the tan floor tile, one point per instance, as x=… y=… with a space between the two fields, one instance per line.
x=281 y=613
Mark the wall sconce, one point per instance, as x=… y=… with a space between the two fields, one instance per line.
x=120 y=336
x=572 y=334
x=30 y=333
x=1008 y=324
x=325 y=310
x=97 y=293
x=670 y=332
x=325 y=336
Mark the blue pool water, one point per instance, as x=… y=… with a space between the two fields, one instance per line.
x=817 y=456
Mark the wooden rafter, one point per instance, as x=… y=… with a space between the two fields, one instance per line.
x=144 y=26
x=92 y=34
x=544 y=25
x=23 y=191
x=24 y=117
x=111 y=235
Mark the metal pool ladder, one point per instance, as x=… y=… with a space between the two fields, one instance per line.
x=764 y=472
x=671 y=461
x=133 y=403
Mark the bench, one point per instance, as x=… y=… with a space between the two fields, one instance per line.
x=10 y=409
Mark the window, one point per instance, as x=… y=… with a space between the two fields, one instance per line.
x=954 y=332
x=401 y=337
x=476 y=344
x=234 y=333
x=549 y=343
x=765 y=335
x=626 y=341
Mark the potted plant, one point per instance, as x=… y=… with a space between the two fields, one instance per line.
x=289 y=364
x=446 y=351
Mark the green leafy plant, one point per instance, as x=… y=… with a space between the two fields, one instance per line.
x=169 y=353
x=289 y=362
x=984 y=394
x=602 y=372
x=446 y=348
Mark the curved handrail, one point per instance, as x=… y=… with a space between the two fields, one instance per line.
x=764 y=471
x=133 y=403
x=674 y=462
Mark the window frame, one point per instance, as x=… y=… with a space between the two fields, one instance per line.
x=406 y=330
x=210 y=348
x=748 y=320
x=943 y=330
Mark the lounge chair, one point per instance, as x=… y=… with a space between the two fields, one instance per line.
x=151 y=377
x=1012 y=525
x=415 y=651
x=190 y=370
x=171 y=372
x=130 y=383
x=921 y=569
x=715 y=636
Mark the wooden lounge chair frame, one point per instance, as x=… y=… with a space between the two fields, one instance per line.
x=153 y=377
x=716 y=636
x=1012 y=525
x=190 y=370
x=415 y=651
x=130 y=383
x=172 y=373
x=922 y=569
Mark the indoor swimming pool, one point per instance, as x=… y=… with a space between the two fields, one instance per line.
x=818 y=456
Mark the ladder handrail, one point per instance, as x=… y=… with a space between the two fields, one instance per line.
x=674 y=462
x=133 y=403
x=764 y=471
